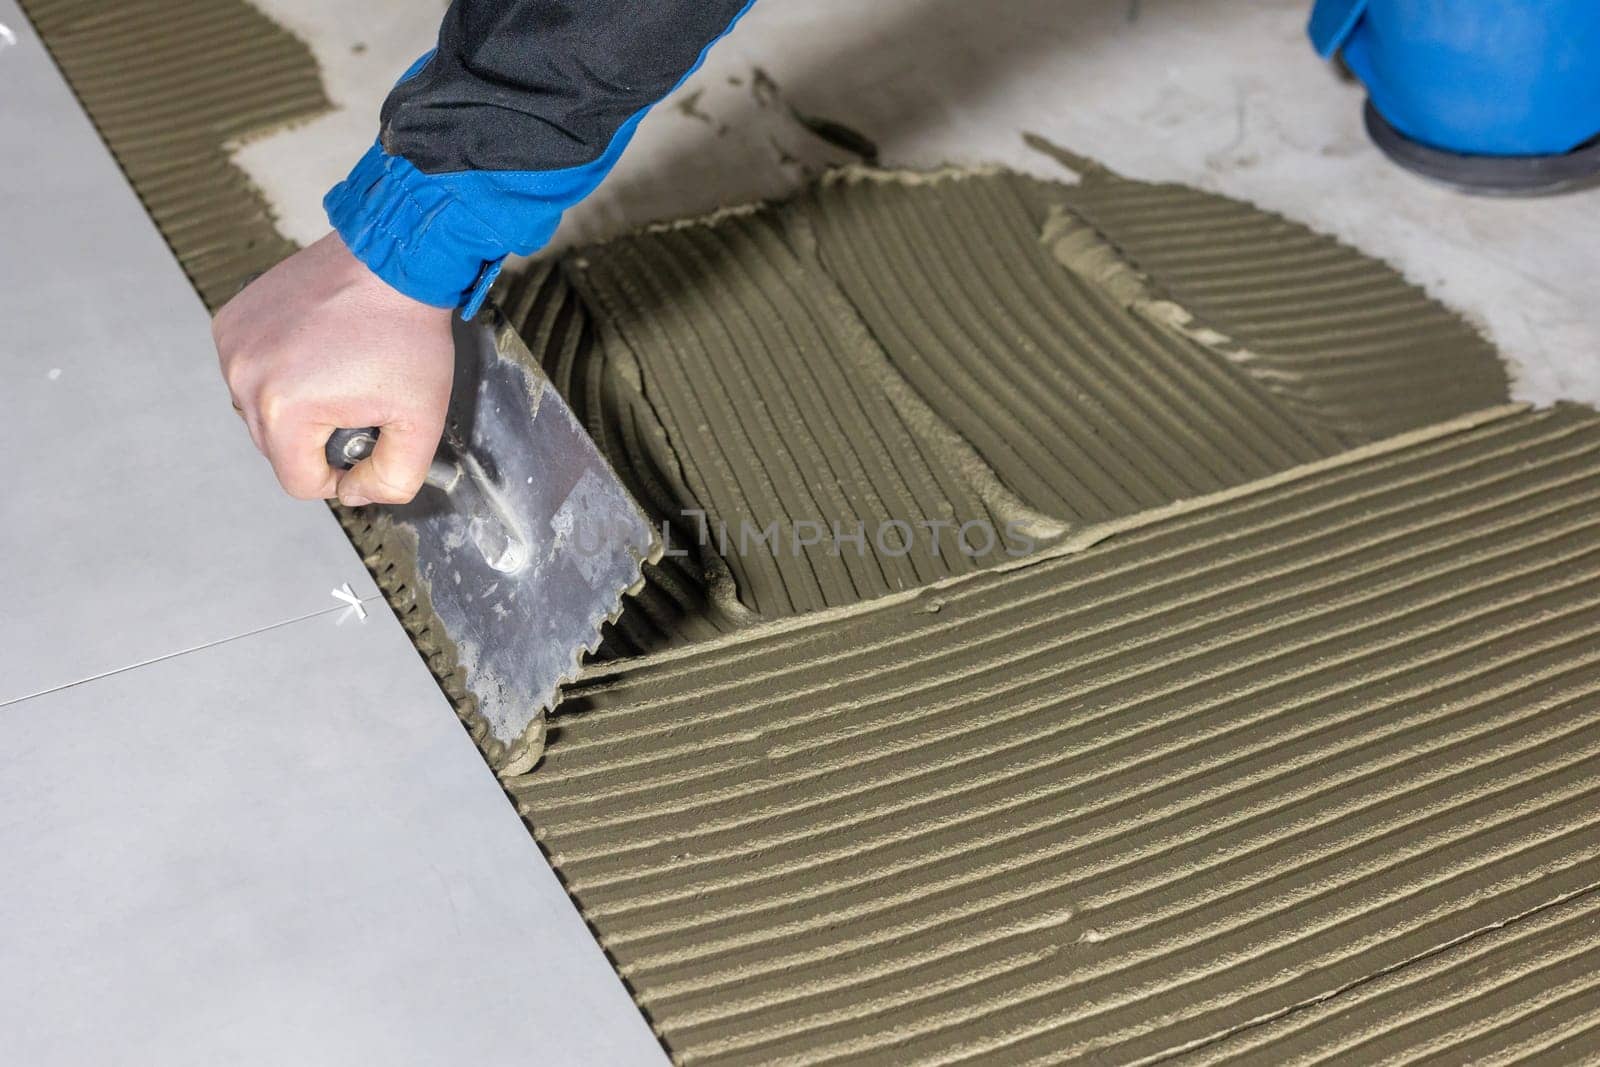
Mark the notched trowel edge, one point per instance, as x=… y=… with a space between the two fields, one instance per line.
x=388 y=549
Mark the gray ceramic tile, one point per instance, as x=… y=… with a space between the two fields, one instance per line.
x=278 y=850
x=135 y=519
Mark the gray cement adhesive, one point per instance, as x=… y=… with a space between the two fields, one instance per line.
x=169 y=84
x=1157 y=797
x=949 y=348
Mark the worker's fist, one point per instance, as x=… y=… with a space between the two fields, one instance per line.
x=319 y=342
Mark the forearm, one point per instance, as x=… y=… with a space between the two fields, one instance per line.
x=544 y=84
x=519 y=113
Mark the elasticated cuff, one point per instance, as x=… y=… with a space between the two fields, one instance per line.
x=414 y=232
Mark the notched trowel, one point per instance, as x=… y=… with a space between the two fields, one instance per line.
x=524 y=540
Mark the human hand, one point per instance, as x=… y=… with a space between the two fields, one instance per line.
x=319 y=342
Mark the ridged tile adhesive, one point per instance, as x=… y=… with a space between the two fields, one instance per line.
x=170 y=84
x=1354 y=349
x=1123 y=803
x=1525 y=991
x=918 y=348
x=1279 y=747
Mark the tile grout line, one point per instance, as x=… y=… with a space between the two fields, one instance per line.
x=187 y=651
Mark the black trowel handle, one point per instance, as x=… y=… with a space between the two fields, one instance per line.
x=346 y=448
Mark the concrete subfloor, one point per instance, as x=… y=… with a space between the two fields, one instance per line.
x=1223 y=94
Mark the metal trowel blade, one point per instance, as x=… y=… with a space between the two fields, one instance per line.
x=533 y=549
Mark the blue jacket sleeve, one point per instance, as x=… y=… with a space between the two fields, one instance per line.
x=519 y=113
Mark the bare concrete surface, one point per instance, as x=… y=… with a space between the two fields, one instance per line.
x=1225 y=95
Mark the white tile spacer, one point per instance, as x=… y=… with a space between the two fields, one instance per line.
x=346 y=595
